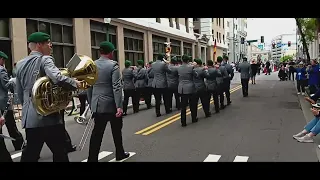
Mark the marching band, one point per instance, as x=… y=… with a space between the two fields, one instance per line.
x=45 y=91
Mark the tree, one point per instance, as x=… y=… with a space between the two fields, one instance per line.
x=286 y=58
x=307 y=28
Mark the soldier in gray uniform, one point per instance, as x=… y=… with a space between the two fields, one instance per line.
x=41 y=129
x=201 y=88
x=229 y=79
x=6 y=86
x=128 y=88
x=159 y=83
x=105 y=99
x=212 y=79
x=244 y=69
x=173 y=82
x=187 y=90
x=224 y=80
x=149 y=89
x=140 y=81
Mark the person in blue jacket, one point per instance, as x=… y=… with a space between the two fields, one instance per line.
x=313 y=71
x=301 y=78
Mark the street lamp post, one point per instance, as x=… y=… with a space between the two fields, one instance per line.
x=107 y=21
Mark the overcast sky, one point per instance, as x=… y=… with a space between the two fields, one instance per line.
x=269 y=28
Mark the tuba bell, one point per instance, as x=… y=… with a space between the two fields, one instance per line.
x=49 y=98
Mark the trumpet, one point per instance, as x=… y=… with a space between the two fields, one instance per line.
x=87 y=130
x=81 y=119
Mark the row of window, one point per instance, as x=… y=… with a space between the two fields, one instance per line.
x=63 y=42
x=177 y=22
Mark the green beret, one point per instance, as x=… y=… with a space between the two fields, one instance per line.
x=107 y=47
x=38 y=37
x=198 y=61
x=140 y=62
x=185 y=58
x=127 y=63
x=160 y=57
x=225 y=57
x=3 y=55
x=219 y=59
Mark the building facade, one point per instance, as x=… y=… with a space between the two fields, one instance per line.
x=134 y=38
x=236 y=29
x=256 y=53
x=210 y=31
x=281 y=46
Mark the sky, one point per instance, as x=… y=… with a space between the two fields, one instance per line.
x=269 y=28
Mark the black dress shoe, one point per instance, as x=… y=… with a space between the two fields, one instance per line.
x=195 y=120
x=222 y=106
x=228 y=103
x=123 y=156
x=208 y=114
x=72 y=148
x=183 y=125
x=158 y=115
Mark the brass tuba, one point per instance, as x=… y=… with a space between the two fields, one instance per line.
x=49 y=98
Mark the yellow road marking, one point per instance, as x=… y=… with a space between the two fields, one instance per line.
x=150 y=129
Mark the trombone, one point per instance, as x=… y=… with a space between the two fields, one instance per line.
x=82 y=119
x=88 y=128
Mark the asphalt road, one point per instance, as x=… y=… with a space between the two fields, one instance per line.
x=256 y=128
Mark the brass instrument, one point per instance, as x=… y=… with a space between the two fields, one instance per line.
x=82 y=119
x=49 y=98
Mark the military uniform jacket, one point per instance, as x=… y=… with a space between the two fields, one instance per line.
x=186 y=74
x=28 y=70
x=4 y=88
x=150 y=76
x=105 y=96
x=229 y=70
x=172 y=77
x=211 y=75
x=199 y=79
x=128 y=78
x=140 y=77
x=244 y=69
x=160 y=69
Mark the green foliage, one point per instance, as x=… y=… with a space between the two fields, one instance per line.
x=286 y=58
x=309 y=28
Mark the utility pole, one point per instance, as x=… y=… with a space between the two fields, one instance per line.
x=233 y=43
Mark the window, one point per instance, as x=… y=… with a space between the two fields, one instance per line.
x=158 y=20
x=223 y=39
x=196 y=31
x=187 y=49
x=158 y=45
x=217 y=36
x=220 y=37
x=217 y=20
x=177 y=23
x=133 y=46
x=212 y=20
x=186 y=22
x=212 y=33
x=236 y=27
x=170 y=22
x=175 y=48
x=195 y=19
x=5 y=43
x=98 y=32
x=61 y=31
x=228 y=23
x=223 y=23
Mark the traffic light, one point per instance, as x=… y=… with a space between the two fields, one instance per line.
x=242 y=40
x=262 y=39
x=289 y=43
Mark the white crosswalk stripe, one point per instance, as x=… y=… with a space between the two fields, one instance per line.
x=216 y=158
x=131 y=154
x=102 y=155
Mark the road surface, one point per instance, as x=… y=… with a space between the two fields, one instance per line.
x=256 y=128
